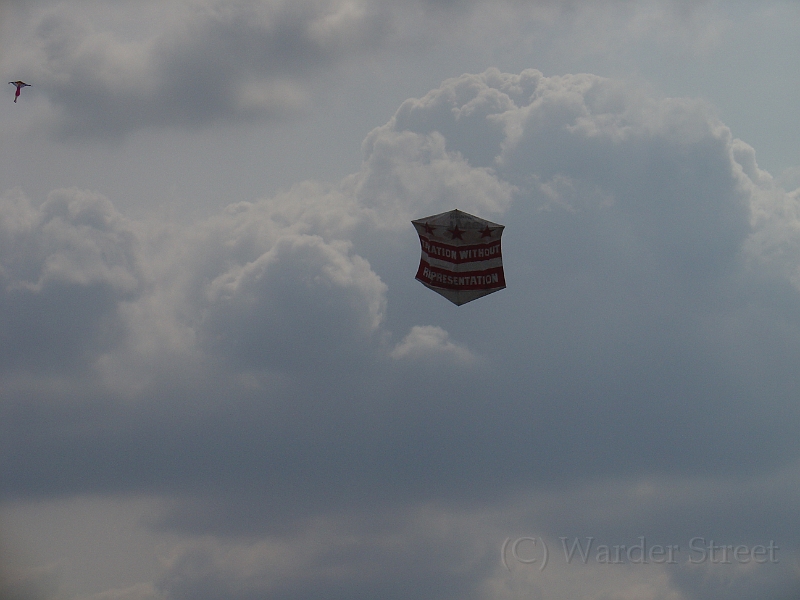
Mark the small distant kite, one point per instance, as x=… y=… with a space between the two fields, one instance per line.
x=461 y=256
x=20 y=85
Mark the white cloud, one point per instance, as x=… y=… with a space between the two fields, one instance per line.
x=109 y=69
x=407 y=174
x=300 y=300
x=78 y=238
x=337 y=557
x=635 y=342
x=139 y=591
x=189 y=64
x=66 y=267
x=425 y=341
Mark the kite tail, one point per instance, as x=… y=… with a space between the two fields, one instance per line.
x=16 y=95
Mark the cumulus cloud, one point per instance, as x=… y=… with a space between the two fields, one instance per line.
x=339 y=558
x=406 y=174
x=107 y=70
x=430 y=341
x=139 y=591
x=292 y=303
x=639 y=340
x=626 y=212
x=187 y=64
x=66 y=268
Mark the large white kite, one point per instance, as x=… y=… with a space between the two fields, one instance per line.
x=461 y=256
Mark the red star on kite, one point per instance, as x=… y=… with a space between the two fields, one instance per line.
x=20 y=85
x=486 y=232
x=428 y=228
x=456 y=232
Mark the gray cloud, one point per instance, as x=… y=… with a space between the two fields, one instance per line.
x=631 y=250
x=66 y=267
x=109 y=70
x=294 y=370
x=632 y=224
x=198 y=63
x=333 y=559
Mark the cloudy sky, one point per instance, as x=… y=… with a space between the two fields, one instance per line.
x=219 y=379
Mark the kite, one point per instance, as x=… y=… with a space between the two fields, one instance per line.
x=20 y=85
x=461 y=256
